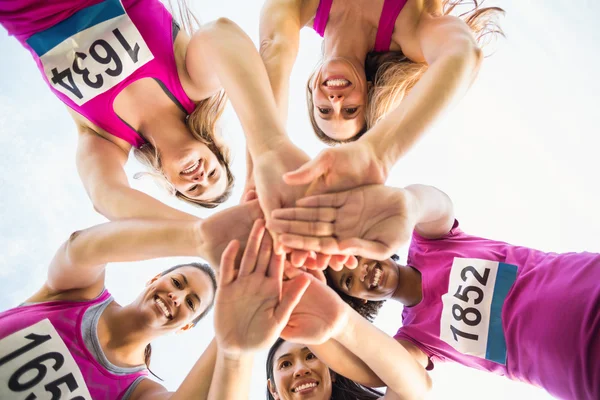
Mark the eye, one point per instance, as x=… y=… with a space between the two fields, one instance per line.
x=212 y=173
x=351 y=110
x=176 y=283
x=348 y=282
x=323 y=110
x=311 y=356
x=193 y=188
x=190 y=304
x=284 y=364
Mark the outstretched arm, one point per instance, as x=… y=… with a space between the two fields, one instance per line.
x=100 y=165
x=447 y=45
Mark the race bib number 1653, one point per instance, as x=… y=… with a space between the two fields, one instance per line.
x=471 y=319
x=35 y=364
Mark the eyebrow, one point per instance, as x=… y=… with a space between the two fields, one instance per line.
x=288 y=354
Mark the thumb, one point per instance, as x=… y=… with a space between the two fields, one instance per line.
x=307 y=172
x=249 y=195
x=292 y=293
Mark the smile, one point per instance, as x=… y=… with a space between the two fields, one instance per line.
x=337 y=83
x=376 y=277
x=162 y=307
x=305 y=387
x=192 y=169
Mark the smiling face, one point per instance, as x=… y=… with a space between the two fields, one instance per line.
x=173 y=300
x=195 y=171
x=371 y=280
x=299 y=374
x=339 y=96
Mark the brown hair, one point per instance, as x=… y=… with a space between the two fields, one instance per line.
x=394 y=75
x=201 y=124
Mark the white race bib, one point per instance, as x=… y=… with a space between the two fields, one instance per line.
x=91 y=51
x=35 y=364
x=471 y=320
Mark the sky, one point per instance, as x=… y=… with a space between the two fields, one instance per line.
x=518 y=156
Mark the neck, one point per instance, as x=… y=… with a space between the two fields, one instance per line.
x=168 y=131
x=125 y=335
x=410 y=287
x=350 y=36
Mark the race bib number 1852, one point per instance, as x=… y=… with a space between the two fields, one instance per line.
x=35 y=364
x=471 y=319
x=91 y=51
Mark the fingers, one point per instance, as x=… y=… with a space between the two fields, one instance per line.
x=337 y=262
x=293 y=290
x=308 y=172
x=319 y=274
x=322 y=214
x=326 y=245
x=252 y=248
x=276 y=266
x=303 y=228
x=227 y=271
x=323 y=260
x=249 y=196
x=334 y=200
x=264 y=254
x=365 y=248
x=298 y=257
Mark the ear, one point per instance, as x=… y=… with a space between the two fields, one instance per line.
x=151 y=281
x=272 y=389
x=364 y=301
x=186 y=327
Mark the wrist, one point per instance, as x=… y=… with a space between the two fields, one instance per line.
x=199 y=237
x=380 y=155
x=345 y=328
x=412 y=205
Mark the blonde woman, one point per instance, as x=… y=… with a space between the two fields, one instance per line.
x=390 y=68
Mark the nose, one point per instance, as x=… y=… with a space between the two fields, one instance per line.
x=362 y=272
x=200 y=177
x=336 y=98
x=302 y=370
x=175 y=298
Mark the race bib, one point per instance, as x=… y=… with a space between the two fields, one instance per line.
x=36 y=364
x=471 y=319
x=91 y=51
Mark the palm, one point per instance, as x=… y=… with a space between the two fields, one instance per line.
x=245 y=313
x=319 y=315
x=341 y=168
x=233 y=223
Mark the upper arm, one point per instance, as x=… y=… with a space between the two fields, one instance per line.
x=147 y=389
x=100 y=164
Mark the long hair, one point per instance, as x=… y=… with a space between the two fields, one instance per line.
x=211 y=274
x=342 y=389
x=201 y=124
x=393 y=75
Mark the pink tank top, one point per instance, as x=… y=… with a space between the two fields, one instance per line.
x=389 y=14
x=43 y=353
x=90 y=50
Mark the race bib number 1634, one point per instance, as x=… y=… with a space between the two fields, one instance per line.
x=471 y=319
x=35 y=364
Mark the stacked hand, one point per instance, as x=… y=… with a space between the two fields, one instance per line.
x=370 y=221
x=254 y=305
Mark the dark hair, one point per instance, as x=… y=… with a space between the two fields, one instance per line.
x=342 y=389
x=211 y=274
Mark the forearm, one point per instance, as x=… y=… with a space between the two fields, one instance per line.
x=279 y=57
x=198 y=382
x=433 y=210
x=346 y=363
x=134 y=240
x=388 y=359
x=122 y=202
x=231 y=379
x=445 y=81
x=244 y=78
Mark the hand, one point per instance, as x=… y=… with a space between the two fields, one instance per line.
x=340 y=168
x=320 y=315
x=253 y=307
x=221 y=228
x=371 y=221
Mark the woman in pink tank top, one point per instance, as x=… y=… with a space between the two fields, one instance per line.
x=132 y=80
x=70 y=321
x=389 y=69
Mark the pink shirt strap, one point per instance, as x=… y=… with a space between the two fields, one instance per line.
x=322 y=16
x=389 y=14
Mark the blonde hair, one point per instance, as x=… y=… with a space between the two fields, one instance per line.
x=393 y=75
x=201 y=124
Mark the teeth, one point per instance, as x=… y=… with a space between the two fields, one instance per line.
x=376 y=278
x=304 y=387
x=192 y=168
x=337 y=82
x=163 y=308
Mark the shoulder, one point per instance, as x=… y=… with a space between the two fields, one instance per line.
x=147 y=389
